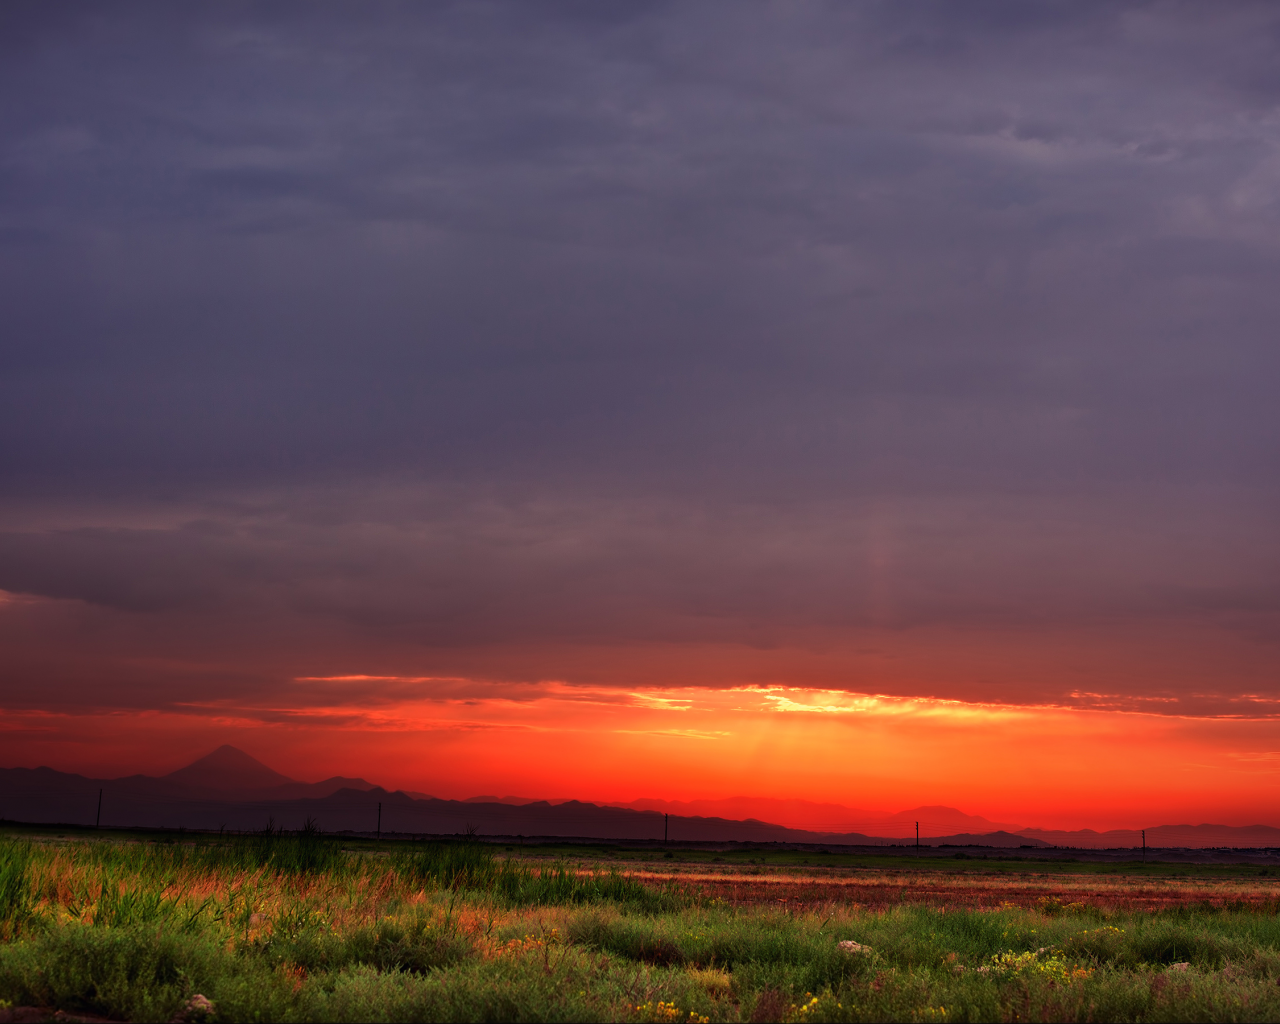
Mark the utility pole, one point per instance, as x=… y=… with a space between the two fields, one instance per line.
x=1144 y=846
x=97 y=822
x=379 y=820
x=666 y=822
x=917 y=837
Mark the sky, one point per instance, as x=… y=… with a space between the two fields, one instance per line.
x=865 y=403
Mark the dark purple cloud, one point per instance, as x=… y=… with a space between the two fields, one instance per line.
x=475 y=326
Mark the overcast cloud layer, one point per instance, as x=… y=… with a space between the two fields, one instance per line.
x=905 y=347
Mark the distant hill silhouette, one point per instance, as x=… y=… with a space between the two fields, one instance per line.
x=828 y=817
x=1193 y=836
x=230 y=789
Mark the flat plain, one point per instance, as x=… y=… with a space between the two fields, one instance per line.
x=302 y=926
x=971 y=880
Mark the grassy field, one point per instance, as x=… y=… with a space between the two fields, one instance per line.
x=301 y=927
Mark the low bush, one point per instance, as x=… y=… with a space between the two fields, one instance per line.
x=138 y=973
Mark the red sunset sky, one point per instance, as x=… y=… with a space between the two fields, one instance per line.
x=819 y=403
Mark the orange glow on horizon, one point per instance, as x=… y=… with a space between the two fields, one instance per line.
x=1039 y=766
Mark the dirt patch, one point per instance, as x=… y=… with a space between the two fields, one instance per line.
x=875 y=890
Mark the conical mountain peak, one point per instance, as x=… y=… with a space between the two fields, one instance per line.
x=228 y=768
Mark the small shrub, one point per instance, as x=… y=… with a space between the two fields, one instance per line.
x=136 y=973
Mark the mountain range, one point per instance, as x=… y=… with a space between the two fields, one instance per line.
x=230 y=789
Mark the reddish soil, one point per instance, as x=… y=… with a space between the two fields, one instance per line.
x=974 y=890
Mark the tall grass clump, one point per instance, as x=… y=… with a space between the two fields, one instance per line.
x=15 y=885
x=470 y=865
x=120 y=906
x=563 y=885
x=303 y=852
x=454 y=865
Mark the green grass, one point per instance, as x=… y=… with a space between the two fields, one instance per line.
x=15 y=895
x=300 y=927
x=473 y=867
